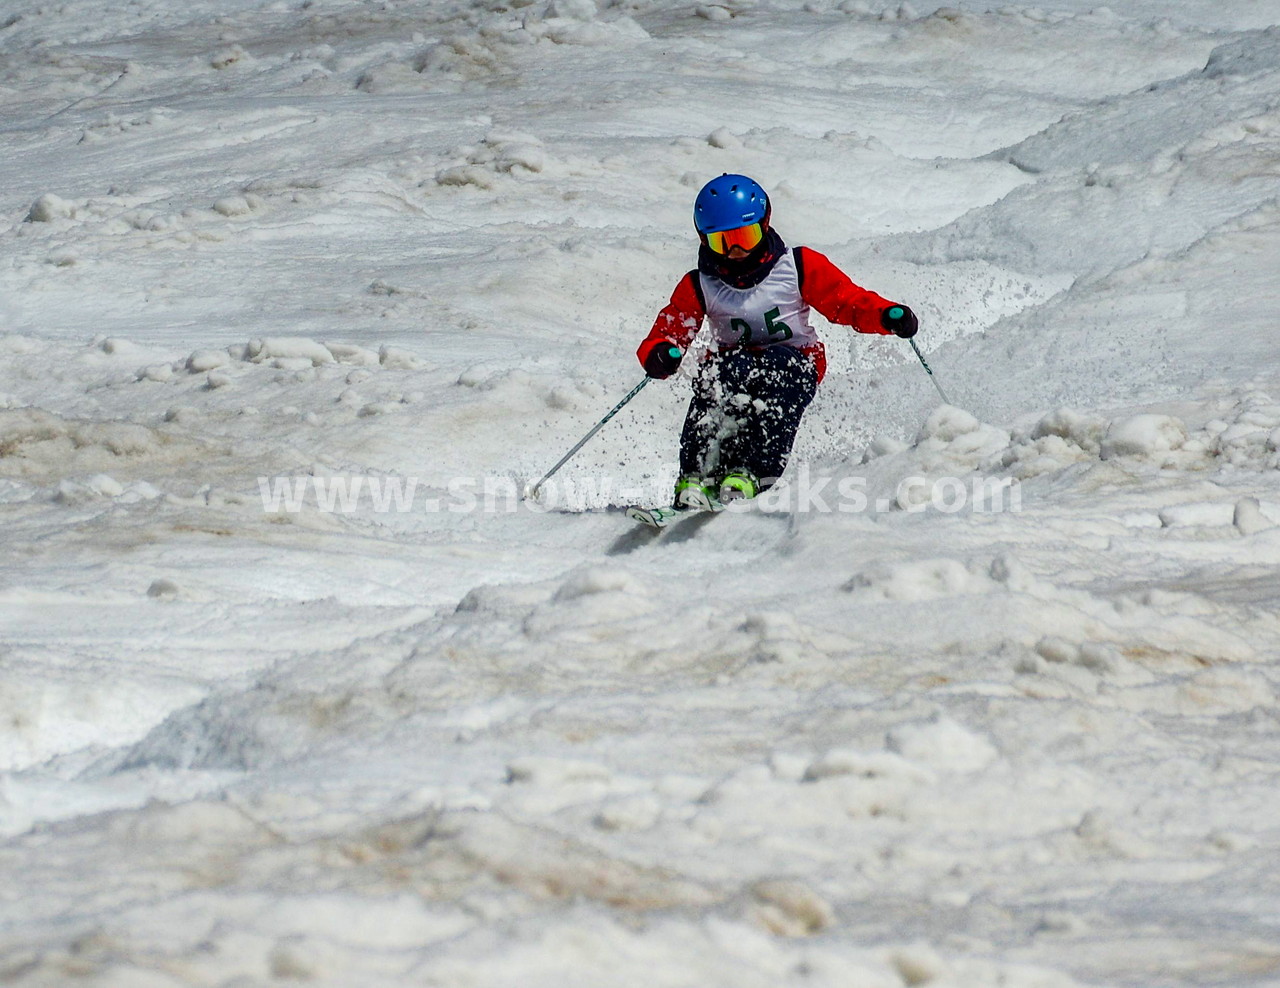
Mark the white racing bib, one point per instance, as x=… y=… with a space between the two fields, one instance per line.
x=771 y=313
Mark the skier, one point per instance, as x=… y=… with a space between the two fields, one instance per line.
x=765 y=360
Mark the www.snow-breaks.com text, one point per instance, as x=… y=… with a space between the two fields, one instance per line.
x=797 y=494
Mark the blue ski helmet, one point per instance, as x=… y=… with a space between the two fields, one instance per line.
x=728 y=202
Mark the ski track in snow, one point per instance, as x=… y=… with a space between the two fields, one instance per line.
x=464 y=745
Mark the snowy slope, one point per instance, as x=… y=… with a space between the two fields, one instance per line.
x=851 y=736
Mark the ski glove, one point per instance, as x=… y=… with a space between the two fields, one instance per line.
x=663 y=360
x=900 y=321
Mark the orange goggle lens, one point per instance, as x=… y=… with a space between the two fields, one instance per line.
x=747 y=237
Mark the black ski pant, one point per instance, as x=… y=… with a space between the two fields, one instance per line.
x=745 y=412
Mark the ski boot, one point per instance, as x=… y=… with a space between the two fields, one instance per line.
x=738 y=485
x=696 y=494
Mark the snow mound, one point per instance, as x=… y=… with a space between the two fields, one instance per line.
x=50 y=207
x=841 y=762
x=1146 y=437
x=292 y=349
x=500 y=154
x=953 y=443
x=953 y=438
x=203 y=361
x=919 y=580
x=553 y=772
x=42 y=447
x=942 y=744
x=597 y=580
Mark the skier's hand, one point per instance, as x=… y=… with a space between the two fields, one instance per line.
x=900 y=321
x=663 y=360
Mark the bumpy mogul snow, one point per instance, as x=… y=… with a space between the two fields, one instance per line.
x=295 y=296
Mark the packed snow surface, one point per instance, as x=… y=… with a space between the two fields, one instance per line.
x=297 y=297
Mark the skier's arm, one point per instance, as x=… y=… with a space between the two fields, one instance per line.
x=829 y=290
x=677 y=324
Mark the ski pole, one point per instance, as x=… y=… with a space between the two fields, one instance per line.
x=929 y=371
x=533 y=491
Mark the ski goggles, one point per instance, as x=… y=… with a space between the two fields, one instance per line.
x=747 y=237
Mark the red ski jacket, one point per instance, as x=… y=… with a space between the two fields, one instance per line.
x=823 y=286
